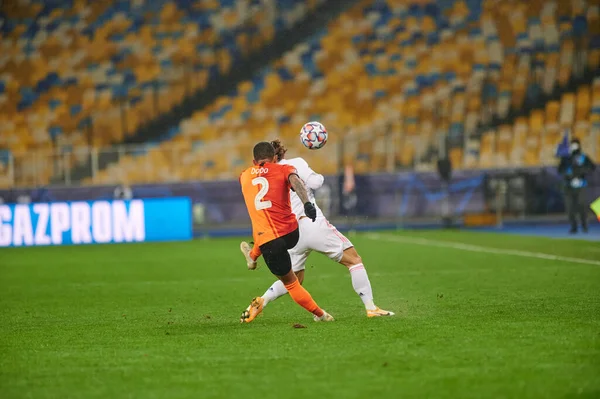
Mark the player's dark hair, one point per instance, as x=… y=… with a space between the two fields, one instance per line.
x=575 y=140
x=263 y=151
x=280 y=150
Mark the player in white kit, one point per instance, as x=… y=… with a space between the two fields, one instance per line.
x=320 y=236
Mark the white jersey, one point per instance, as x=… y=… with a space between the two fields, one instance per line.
x=312 y=181
x=320 y=236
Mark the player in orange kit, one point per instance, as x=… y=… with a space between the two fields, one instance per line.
x=266 y=188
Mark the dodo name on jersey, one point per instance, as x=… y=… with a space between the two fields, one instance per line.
x=258 y=171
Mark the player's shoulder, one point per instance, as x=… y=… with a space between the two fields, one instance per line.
x=285 y=168
x=246 y=173
x=295 y=162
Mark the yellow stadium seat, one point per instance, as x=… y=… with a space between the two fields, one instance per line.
x=567 y=112
x=456 y=157
x=552 y=112
x=357 y=89
x=583 y=103
x=504 y=140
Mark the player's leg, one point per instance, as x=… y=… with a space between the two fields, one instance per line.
x=582 y=208
x=298 y=254
x=300 y=275
x=277 y=289
x=361 y=283
x=278 y=260
x=339 y=248
x=291 y=282
x=570 y=204
x=302 y=297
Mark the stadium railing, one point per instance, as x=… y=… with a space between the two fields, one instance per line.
x=386 y=149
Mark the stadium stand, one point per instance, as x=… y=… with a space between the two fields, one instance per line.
x=391 y=79
x=74 y=65
x=413 y=70
x=532 y=139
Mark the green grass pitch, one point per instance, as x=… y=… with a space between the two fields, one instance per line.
x=161 y=321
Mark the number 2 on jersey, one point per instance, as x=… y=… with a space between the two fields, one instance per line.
x=264 y=188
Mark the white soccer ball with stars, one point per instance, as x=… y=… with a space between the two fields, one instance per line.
x=313 y=135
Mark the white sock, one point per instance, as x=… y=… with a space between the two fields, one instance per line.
x=276 y=290
x=362 y=285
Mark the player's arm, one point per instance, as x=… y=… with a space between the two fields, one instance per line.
x=312 y=179
x=315 y=181
x=300 y=189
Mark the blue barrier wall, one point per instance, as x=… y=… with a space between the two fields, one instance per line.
x=95 y=222
x=381 y=196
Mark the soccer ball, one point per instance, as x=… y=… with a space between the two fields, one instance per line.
x=313 y=135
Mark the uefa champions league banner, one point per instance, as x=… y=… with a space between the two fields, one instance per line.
x=95 y=222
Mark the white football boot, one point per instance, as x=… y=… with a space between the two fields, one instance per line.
x=246 y=248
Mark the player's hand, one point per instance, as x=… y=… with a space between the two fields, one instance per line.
x=310 y=211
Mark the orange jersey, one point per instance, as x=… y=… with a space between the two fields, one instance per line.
x=266 y=190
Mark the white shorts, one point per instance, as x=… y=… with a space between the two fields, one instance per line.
x=320 y=236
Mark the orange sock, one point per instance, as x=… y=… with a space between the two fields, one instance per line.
x=303 y=298
x=255 y=252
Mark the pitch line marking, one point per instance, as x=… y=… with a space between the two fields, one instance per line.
x=476 y=248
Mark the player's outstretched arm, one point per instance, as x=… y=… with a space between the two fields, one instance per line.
x=300 y=189
x=311 y=179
